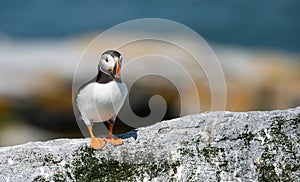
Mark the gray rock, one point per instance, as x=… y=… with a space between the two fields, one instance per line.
x=212 y=146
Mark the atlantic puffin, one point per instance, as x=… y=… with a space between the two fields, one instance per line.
x=101 y=99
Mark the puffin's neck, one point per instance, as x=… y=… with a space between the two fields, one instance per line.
x=104 y=78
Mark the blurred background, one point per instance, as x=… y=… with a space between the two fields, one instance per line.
x=256 y=42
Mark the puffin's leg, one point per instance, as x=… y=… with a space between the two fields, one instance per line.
x=96 y=143
x=111 y=138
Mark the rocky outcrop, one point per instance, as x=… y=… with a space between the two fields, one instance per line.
x=212 y=146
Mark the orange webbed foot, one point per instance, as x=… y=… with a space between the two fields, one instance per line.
x=97 y=143
x=114 y=140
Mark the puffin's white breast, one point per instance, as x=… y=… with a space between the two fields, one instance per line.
x=100 y=102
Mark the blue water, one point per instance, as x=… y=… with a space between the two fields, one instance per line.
x=256 y=23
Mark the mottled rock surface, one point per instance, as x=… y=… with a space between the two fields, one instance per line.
x=212 y=146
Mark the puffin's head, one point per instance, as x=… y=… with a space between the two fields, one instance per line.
x=110 y=63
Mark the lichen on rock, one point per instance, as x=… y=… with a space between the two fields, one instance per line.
x=211 y=146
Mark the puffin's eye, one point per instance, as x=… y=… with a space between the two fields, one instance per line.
x=106 y=60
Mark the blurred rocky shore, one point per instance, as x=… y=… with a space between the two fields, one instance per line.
x=36 y=86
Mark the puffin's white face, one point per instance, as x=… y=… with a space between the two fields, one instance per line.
x=107 y=64
x=110 y=63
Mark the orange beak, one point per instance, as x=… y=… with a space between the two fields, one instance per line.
x=118 y=75
x=116 y=70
